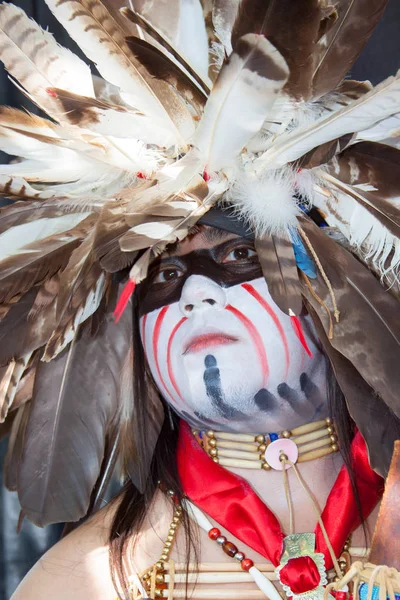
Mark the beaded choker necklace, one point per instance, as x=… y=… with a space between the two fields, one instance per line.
x=263 y=451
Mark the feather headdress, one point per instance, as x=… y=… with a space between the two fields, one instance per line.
x=240 y=102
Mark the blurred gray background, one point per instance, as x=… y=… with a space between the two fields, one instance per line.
x=380 y=58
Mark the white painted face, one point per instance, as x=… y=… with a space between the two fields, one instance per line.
x=221 y=352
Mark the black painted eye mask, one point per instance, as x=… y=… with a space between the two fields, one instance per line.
x=230 y=263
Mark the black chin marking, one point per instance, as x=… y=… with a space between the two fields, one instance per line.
x=312 y=393
x=212 y=380
x=288 y=394
x=265 y=401
x=310 y=390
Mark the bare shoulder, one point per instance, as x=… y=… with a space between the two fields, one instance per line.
x=75 y=568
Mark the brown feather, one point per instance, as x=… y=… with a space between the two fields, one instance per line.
x=156 y=34
x=279 y=268
x=368 y=332
x=40 y=260
x=376 y=422
x=160 y=67
x=81 y=277
x=340 y=45
x=75 y=401
x=29 y=323
x=10 y=382
x=292 y=27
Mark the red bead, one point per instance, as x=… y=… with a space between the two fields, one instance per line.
x=340 y=595
x=229 y=549
x=214 y=533
x=246 y=564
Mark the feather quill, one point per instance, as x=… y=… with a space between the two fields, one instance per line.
x=248 y=85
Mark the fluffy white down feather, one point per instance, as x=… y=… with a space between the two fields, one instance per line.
x=267 y=202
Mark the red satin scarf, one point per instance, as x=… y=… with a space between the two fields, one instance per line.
x=231 y=501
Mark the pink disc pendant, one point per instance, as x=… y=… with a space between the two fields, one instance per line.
x=276 y=448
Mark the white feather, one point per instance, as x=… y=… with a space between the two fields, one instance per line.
x=103 y=42
x=156 y=230
x=37 y=61
x=386 y=131
x=366 y=233
x=239 y=103
x=380 y=103
x=15 y=239
x=266 y=202
x=192 y=39
x=16 y=186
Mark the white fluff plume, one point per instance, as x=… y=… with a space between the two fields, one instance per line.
x=267 y=202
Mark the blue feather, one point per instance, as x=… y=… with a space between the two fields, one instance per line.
x=303 y=260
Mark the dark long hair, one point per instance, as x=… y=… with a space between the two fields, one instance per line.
x=133 y=505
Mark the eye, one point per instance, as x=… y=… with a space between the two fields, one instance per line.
x=168 y=275
x=241 y=253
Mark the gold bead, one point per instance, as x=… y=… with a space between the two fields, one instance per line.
x=160 y=578
x=195 y=431
x=176 y=520
x=331 y=430
x=170 y=537
x=210 y=434
x=328 y=421
x=333 y=438
x=262 y=447
x=215 y=459
x=159 y=566
x=213 y=452
x=178 y=510
x=346 y=547
x=159 y=593
x=260 y=439
x=266 y=466
x=286 y=434
x=283 y=457
x=173 y=526
x=335 y=447
x=164 y=556
x=146 y=576
x=212 y=443
x=167 y=545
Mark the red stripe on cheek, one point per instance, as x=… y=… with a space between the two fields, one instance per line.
x=169 y=363
x=262 y=356
x=156 y=337
x=249 y=288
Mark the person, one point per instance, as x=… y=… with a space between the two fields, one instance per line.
x=247 y=392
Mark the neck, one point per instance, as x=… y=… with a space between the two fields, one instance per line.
x=319 y=474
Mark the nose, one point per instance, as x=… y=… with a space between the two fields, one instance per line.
x=201 y=293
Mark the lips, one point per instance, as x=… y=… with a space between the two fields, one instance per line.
x=208 y=340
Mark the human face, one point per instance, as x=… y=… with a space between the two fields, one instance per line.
x=221 y=352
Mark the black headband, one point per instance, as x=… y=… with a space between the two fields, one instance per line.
x=227 y=219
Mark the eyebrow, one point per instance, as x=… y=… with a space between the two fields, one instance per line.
x=213 y=234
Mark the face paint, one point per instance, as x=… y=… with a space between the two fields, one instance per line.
x=224 y=355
